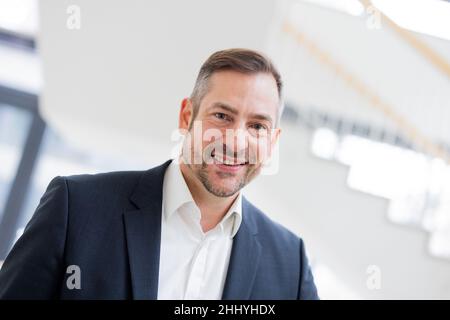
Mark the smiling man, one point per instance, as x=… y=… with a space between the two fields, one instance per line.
x=182 y=230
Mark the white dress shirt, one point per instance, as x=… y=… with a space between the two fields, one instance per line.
x=193 y=264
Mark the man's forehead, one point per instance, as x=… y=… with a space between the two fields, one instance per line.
x=245 y=81
x=240 y=90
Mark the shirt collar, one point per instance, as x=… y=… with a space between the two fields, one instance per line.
x=176 y=193
x=175 y=190
x=235 y=212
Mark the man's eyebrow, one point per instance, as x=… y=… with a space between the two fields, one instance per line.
x=261 y=116
x=225 y=107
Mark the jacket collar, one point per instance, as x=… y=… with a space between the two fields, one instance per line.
x=143 y=234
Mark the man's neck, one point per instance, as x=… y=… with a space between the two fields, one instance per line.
x=212 y=208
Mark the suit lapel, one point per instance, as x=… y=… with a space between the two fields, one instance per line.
x=244 y=259
x=143 y=233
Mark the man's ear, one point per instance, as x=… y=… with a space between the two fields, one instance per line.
x=186 y=112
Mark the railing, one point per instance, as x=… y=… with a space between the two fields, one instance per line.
x=414 y=134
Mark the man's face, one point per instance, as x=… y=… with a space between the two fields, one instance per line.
x=233 y=131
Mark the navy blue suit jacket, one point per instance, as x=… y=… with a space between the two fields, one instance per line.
x=109 y=225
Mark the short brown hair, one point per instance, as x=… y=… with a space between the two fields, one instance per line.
x=236 y=59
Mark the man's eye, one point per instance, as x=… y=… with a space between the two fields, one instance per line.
x=221 y=116
x=259 y=126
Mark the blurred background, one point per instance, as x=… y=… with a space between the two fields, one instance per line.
x=363 y=175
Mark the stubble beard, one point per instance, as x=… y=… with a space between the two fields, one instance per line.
x=202 y=174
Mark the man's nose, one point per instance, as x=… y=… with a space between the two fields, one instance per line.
x=238 y=132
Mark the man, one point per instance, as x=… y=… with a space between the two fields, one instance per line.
x=182 y=230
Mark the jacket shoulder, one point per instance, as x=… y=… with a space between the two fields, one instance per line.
x=107 y=182
x=272 y=229
x=104 y=177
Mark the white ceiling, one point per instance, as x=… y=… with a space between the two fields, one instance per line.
x=379 y=58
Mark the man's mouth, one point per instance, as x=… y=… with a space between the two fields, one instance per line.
x=228 y=161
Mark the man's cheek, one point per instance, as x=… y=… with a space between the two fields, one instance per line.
x=259 y=153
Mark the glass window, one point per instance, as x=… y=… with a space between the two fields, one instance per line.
x=416 y=185
x=20 y=17
x=59 y=157
x=14 y=125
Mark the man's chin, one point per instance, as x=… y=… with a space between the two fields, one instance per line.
x=224 y=193
x=223 y=190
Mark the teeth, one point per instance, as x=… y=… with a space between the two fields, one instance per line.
x=227 y=161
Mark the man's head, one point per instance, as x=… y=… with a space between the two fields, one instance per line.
x=233 y=117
